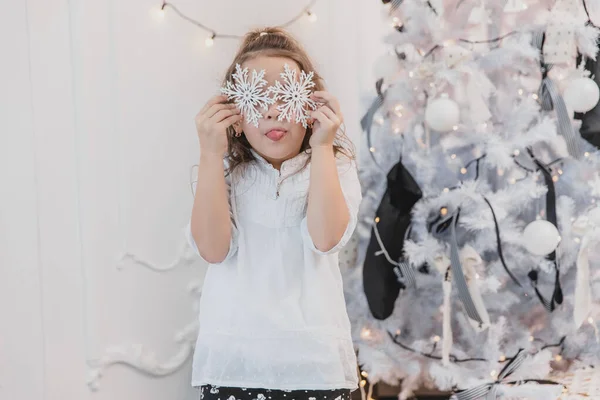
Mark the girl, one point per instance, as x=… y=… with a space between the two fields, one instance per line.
x=274 y=203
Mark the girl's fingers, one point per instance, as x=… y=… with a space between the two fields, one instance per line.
x=227 y=122
x=320 y=116
x=214 y=100
x=215 y=108
x=331 y=115
x=329 y=99
x=223 y=114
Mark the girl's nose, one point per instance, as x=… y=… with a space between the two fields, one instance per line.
x=272 y=111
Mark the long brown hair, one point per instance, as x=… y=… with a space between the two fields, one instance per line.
x=275 y=42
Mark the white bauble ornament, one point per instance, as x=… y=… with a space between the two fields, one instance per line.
x=541 y=237
x=442 y=114
x=581 y=95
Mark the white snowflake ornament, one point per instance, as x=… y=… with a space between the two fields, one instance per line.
x=295 y=95
x=249 y=95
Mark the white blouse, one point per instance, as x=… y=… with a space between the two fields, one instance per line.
x=272 y=314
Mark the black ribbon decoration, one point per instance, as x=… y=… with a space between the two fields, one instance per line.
x=366 y=121
x=557 y=295
x=550 y=99
x=457 y=272
x=490 y=390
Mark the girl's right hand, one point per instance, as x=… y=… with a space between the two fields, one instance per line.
x=212 y=123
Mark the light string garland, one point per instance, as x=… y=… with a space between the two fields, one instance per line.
x=213 y=34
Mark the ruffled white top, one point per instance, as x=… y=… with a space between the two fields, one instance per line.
x=272 y=314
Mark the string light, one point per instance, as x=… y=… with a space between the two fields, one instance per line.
x=516 y=152
x=531 y=338
x=446 y=190
x=411 y=74
x=443 y=211
x=364 y=373
x=512 y=181
x=554 y=178
x=577 y=240
x=363 y=383
x=535 y=96
x=560 y=171
x=365 y=333
x=500 y=172
x=493 y=373
x=377 y=220
x=372 y=149
x=520 y=91
x=455 y=128
x=214 y=35
x=558 y=357
x=502 y=358
x=210 y=41
x=463 y=170
x=453 y=156
x=398 y=332
x=436 y=338
x=587 y=154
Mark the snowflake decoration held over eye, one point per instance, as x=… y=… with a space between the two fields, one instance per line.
x=249 y=95
x=295 y=95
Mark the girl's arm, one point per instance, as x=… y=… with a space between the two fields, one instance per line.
x=327 y=215
x=334 y=194
x=210 y=224
x=211 y=230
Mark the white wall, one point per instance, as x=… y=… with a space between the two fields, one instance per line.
x=97 y=139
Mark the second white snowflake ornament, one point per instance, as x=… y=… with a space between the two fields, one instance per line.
x=295 y=96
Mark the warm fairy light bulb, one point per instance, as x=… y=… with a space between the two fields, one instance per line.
x=558 y=357
x=463 y=170
x=502 y=358
x=436 y=338
x=377 y=220
x=587 y=154
x=453 y=156
x=455 y=128
x=379 y=120
x=411 y=74
x=591 y=320
x=560 y=171
x=535 y=96
x=364 y=373
x=493 y=373
x=365 y=333
x=312 y=17
x=363 y=383
x=396 y=20
x=554 y=178
x=531 y=338
x=512 y=181
x=443 y=211
x=520 y=91
x=500 y=172
x=210 y=41
x=577 y=240
x=398 y=332
x=161 y=13
x=398 y=107
x=372 y=149
x=516 y=152
x=397 y=130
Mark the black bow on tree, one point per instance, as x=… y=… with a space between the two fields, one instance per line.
x=385 y=271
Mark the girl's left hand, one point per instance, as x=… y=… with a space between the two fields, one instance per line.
x=327 y=119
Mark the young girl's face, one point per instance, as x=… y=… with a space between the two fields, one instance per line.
x=275 y=140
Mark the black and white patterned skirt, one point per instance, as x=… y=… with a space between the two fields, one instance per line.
x=212 y=392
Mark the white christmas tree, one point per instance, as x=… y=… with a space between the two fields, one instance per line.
x=498 y=282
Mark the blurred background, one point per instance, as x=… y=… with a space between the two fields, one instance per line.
x=97 y=106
